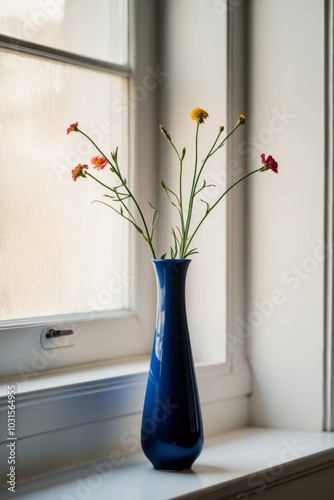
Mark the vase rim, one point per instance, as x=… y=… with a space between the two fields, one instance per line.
x=171 y=260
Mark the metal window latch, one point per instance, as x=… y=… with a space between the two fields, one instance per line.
x=56 y=337
x=57 y=333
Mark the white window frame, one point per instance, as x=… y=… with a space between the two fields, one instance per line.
x=102 y=337
x=93 y=380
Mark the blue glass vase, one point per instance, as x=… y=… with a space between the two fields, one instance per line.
x=172 y=430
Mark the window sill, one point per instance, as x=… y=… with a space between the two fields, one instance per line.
x=237 y=464
x=97 y=409
x=96 y=376
x=63 y=379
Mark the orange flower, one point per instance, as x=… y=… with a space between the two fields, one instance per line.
x=242 y=119
x=73 y=127
x=78 y=171
x=99 y=162
x=199 y=115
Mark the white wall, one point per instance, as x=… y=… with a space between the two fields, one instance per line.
x=286 y=212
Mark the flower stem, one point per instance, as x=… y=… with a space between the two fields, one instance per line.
x=185 y=233
x=181 y=197
x=115 y=167
x=215 y=204
x=224 y=140
x=185 y=241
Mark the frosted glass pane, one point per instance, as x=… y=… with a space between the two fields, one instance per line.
x=95 y=29
x=59 y=253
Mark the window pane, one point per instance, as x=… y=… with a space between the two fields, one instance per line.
x=93 y=29
x=59 y=253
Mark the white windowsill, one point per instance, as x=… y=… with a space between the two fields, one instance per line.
x=92 y=374
x=245 y=462
x=72 y=377
x=62 y=409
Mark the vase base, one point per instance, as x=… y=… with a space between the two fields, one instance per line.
x=162 y=469
x=171 y=457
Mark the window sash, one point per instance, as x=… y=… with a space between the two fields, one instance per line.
x=20 y=46
x=124 y=333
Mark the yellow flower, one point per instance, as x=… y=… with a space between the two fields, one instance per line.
x=199 y=115
x=242 y=119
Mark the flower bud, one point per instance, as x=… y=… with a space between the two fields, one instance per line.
x=183 y=154
x=165 y=133
x=242 y=119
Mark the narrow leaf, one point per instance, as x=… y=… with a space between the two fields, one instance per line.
x=191 y=252
x=140 y=231
x=155 y=218
x=114 y=155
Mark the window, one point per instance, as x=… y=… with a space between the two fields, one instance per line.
x=65 y=261
x=161 y=39
x=58 y=249
x=121 y=98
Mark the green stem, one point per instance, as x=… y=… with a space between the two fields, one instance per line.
x=191 y=200
x=216 y=203
x=116 y=194
x=117 y=171
x=97 y=180
x=210 y=153
x=181 y=197
x=149 y=241
x=225 y=139
x=196 y=178
x=95 y=145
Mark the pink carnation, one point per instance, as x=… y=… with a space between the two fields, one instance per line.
x=270 y=163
